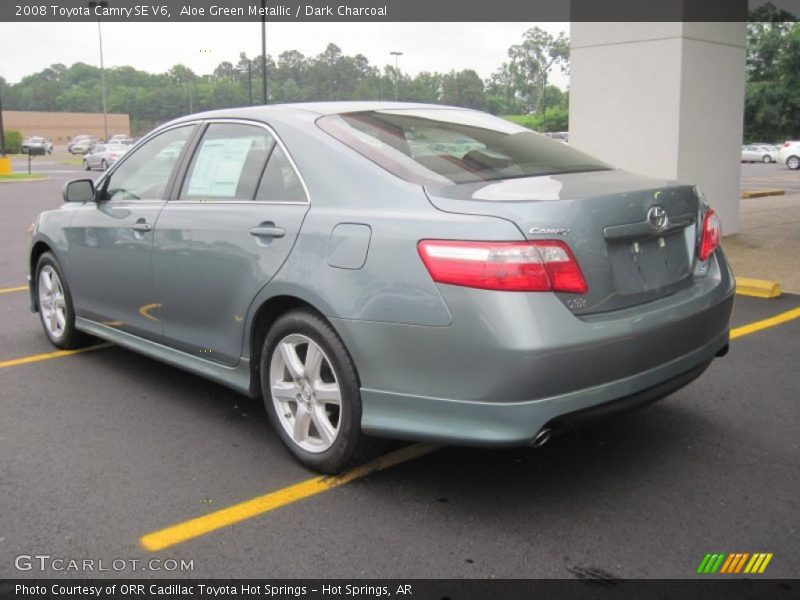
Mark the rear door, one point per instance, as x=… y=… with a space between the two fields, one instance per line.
x=230 y=227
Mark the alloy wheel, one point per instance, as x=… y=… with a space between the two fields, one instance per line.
x=305 y=393
x=52 y=302
x=793 y=162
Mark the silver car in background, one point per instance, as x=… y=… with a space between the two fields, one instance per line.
x=766 y=154
x=102 y=156
x=386 y=270
x=81 y=144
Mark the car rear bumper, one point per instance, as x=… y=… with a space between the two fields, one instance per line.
x=509 y=364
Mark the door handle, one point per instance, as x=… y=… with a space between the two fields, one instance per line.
x=266 y=231
x=142 y=226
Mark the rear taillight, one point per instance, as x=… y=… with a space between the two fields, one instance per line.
x=538 y=266
x=712 y=232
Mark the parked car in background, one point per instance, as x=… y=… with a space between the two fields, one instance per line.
x=752 y=153
x=102 y=156
x=37 y=142
x=771 y=152
x=561 y=136
x=117 y=138
x=789 y=154
x=81 y=144
x=391 y=270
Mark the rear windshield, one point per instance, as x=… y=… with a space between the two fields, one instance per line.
x=454 y=146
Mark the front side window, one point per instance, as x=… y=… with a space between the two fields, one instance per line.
x=145 y=172
x=228 y=163
x=454 y=146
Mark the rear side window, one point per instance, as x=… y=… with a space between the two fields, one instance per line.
x=280 y=182
x=228 y=162
x=454 y=146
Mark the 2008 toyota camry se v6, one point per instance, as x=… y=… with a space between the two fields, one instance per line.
x=384 y=270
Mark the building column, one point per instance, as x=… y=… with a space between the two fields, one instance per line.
x=665 y=100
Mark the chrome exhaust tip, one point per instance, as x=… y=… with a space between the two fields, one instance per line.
x=542 y=437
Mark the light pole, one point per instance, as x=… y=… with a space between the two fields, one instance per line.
x=396 y=55
x=264 y=50
x=243 y=57
x=92 y=6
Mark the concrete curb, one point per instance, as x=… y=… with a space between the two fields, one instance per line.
x=760 y=288
x=762 y=193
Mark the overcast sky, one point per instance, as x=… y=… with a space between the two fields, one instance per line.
x=155 y=47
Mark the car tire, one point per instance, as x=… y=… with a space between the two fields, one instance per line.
x=793 y=162
x=54 y=302
x=86 y=165
x=328 y=439
x=766 y=159
x=104 y=165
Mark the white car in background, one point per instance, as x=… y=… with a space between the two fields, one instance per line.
x=757 y=154
x=103 y=156
x=789 y=155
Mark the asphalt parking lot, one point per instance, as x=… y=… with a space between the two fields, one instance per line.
x=758 y=176
x=101 y=448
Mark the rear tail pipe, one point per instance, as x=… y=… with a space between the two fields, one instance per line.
x=544 y=435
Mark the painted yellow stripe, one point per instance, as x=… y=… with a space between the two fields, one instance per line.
x=764 y=564
x=21 y=288
x=779 y=319
x=727 y=563
x=14 y=362
x=181 y=532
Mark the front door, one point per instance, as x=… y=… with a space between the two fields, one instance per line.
x=224 y=237
x=111 y=239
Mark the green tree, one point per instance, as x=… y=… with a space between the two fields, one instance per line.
x=772 y=93
x=530 y=64
x=464 y=88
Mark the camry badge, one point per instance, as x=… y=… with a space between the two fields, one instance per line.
x=657 y=218
x=548 y=231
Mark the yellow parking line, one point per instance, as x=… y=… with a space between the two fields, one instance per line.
x=47 y=356
x=176 y=534
x=20 y=288
x=784 y=317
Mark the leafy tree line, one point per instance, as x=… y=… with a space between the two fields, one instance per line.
x=518 y=87
x=772 y=95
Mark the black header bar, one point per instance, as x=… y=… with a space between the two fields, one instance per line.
x=387 y=10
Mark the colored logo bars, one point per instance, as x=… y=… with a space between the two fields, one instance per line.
x=737 y=562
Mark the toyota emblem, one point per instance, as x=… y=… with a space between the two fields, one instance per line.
x=657 y=218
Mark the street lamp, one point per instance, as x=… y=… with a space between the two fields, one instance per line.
x=243 y=57
x=264 y=50
x=92 y=6
x=396 y=55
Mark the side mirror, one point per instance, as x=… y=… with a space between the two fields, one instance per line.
x=80 y=190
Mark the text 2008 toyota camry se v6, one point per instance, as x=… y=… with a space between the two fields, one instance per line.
x=384 y=270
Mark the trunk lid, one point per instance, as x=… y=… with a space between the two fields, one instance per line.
x=634 y=237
